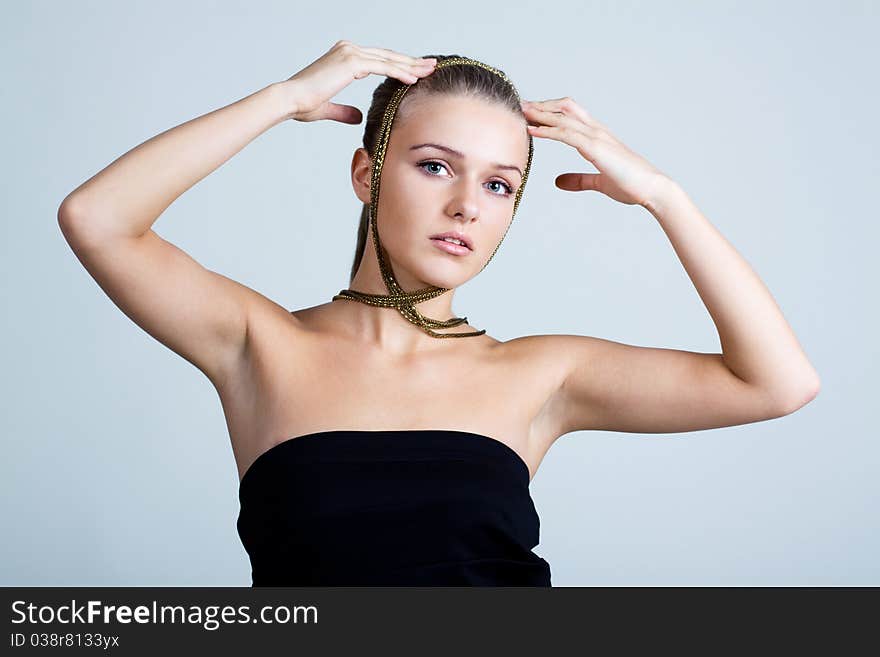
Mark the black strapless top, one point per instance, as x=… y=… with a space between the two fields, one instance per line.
x=390 y=508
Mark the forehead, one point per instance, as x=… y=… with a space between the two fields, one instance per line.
x=482 y=130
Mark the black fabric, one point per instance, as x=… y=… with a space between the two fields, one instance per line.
x=390 y=508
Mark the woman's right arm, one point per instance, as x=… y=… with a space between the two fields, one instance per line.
x=199 y=314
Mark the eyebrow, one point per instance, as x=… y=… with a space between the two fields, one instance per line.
x=461 y=155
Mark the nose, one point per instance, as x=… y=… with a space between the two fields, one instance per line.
x=465 y=205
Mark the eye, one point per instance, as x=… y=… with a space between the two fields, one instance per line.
x=424 y=164
x=503 y=184
x=507 y=187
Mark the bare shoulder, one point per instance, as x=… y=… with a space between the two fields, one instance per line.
x=550 y=357
x=541 y=361
x=263 y=309
x=547 y=352
x=607 y=385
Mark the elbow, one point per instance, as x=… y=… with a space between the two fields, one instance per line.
x=78 y=224
x=804 y=395
x=66 y=214
x=69 y=209
x=66 y=221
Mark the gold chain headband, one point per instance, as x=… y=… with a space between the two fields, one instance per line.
x=397 y=298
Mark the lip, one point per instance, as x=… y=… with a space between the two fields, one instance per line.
x=468 y=242
x=449 y=247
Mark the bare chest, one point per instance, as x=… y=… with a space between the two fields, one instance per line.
x=296 y=382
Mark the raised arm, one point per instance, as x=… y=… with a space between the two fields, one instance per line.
x=762 y=371
x=198 y=313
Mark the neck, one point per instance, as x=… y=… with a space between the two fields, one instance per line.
x=386 y=328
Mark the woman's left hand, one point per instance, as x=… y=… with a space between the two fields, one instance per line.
x=623 y=175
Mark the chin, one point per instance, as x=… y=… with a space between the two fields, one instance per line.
x=447 y=273
x=448 y=280
x=434 y=276
x=448 y=283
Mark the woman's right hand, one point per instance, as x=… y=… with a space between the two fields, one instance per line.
x=309 y=91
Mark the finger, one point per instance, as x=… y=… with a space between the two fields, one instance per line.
x=414 y=67
x=398 y=57
x=343 y=113
x=554 y=114
x=558 y=119
x=567 y=105
x=592 y=150
x=564 y=105
x=418 y=68
x=404 y=73
x=574 y=138
x=578 y=182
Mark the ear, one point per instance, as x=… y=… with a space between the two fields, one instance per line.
x=361 y=172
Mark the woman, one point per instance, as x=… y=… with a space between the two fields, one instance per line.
x=373 y=449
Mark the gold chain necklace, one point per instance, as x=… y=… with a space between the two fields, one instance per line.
x=397 y=298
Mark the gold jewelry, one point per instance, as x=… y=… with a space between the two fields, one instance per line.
x=397 y=298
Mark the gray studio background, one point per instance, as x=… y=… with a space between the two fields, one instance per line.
x=117 y=467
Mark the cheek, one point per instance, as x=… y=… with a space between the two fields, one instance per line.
x=494 y=229
x=417 y=196
x=400 y=191
x=407 y=207
x=398 y=225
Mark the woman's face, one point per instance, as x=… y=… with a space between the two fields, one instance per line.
x=427 y=190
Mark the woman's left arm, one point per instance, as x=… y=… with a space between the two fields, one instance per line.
x=757 y=342
x=762 y=366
